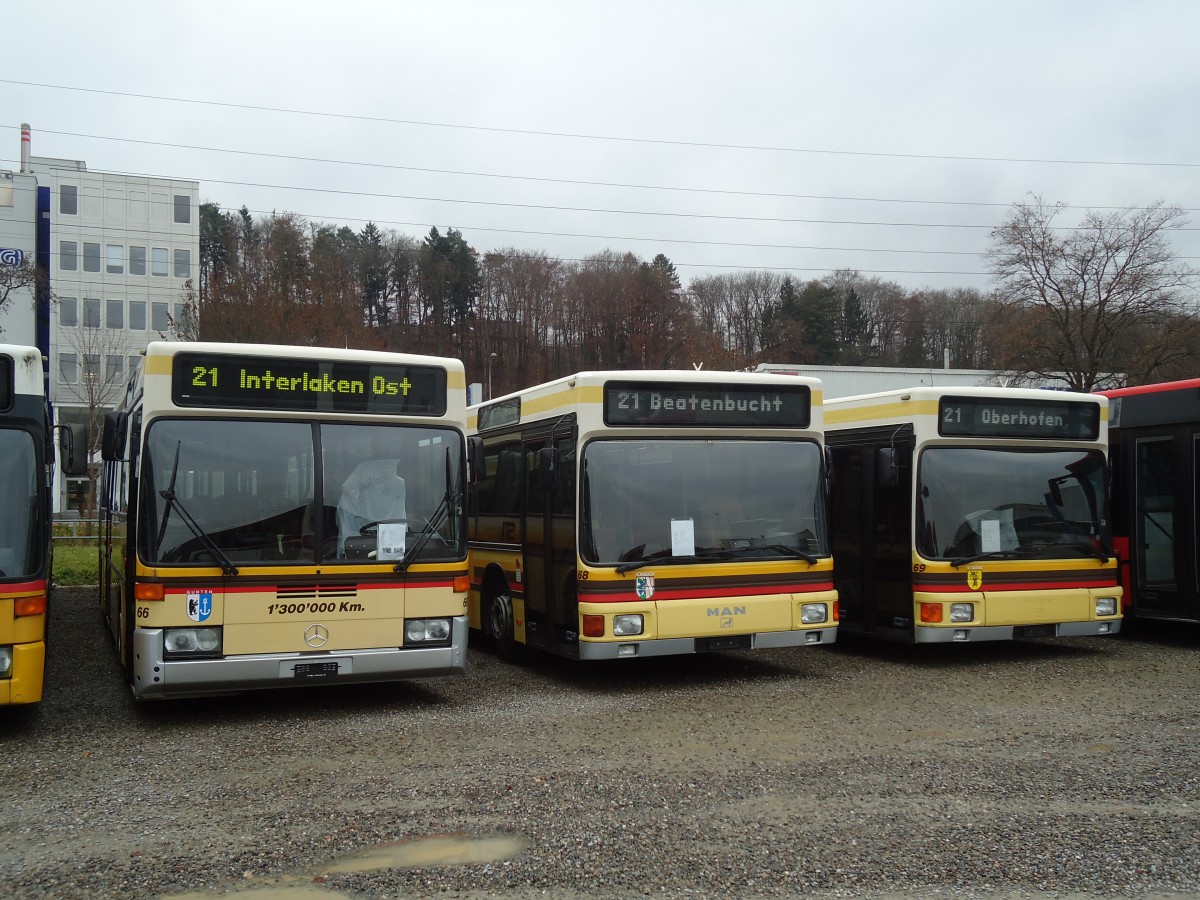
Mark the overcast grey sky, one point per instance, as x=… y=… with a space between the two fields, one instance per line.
x=802 y=137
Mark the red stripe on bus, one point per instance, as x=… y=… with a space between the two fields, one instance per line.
x=23 y=587
x=1011 y=586
x=660 y=594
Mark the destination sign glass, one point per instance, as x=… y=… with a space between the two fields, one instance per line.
x=988 y=417
x=659 y=403
x=307 y=385
x=503 y=412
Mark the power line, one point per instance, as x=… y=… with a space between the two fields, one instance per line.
x=598 y=137
x=545 y=179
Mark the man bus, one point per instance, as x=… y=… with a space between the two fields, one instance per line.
x=972 y=514
x=647 y=513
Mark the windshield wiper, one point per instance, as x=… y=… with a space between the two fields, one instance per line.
x=173 y=502
x=665 y=557
x=789 y=551
x=991 y=554
x=431 y=525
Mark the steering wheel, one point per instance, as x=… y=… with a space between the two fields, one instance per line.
x=371 y=527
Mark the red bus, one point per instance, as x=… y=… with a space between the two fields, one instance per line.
x=1154 y=438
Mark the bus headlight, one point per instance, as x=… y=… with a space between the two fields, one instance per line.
x=1106 y=606
x=426 y=631
x=5 y=662
x=191 y=643
x=962 y=612
x=814 y=613
x=628 y=624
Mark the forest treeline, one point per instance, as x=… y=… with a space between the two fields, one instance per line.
x=518 y=318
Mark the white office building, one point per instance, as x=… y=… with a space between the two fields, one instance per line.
x=124 y=250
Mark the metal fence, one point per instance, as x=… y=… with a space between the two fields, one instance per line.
x=70 y=527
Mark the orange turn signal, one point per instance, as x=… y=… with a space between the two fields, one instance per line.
x=30 y=606
x=144 y=592
x=931 y=612
x=593 y=626
x=837 y=610
x=462 y=584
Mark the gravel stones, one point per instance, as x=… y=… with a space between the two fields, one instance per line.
x=1021 y=770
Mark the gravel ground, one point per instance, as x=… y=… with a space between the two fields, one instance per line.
x=1027 y=770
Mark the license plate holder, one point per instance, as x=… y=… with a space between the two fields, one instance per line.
x=1034 y=631
x=324 y=669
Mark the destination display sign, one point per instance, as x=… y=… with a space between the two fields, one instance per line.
x=307 y=385
x=658 y=403
x=997 y=417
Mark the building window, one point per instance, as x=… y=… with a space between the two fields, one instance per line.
x=68 y=312
x=137 y=208
x=137 y=315
x=114 y=313
x=137 y=260
x=114 y=256
x=159 y=209
x=113 y=369
x=183 y=209
x=183 y=263
x=68 y=256
x=91 y=257
x=159 y=317
x=91 y=367
x=91 y=313
x=91 y=203
x=114 y=204
x=68 y=200
x=134 y=362
x=68 y=368
x=158 y=261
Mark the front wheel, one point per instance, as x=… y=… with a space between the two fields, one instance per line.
x=500 y=626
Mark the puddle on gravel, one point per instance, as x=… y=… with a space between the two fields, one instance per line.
x=437 y=850
x=442 y=850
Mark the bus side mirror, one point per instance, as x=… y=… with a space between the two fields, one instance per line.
x=474 y=459
x=113 y=444
x=547 y=468
x=73 y=445
x=887 y=469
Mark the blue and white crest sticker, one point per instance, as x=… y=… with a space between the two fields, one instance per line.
x=644 y=586
x=199 y=605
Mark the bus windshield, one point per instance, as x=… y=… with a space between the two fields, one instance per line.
x=243 y=492
x=701 y=500
x=19 y=554
x=1011 y=503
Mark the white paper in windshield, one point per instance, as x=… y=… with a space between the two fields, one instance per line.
x=683 y=537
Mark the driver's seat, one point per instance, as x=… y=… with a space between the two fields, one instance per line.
x=374 y=492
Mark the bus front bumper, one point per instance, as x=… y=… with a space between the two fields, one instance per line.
x=157 y=678
x=679 y=646
x=925 y=634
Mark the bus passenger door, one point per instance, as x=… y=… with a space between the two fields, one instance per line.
x=1164 y=538
x=871 y=531
x=537 y=534
x=551 y=608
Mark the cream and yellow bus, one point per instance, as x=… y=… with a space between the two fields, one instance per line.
x=647 y=513
x=972 y=514
x=278 y=516
x=26 y=473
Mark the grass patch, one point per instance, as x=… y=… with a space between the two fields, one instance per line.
x=76 y=563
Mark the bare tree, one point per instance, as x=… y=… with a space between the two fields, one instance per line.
x=101 y=355
x=16 y=278
x=1071 y=298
